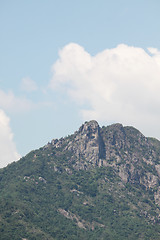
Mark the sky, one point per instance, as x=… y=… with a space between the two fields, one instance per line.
x=66 y=62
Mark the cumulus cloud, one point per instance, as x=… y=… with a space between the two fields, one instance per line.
x=118 y=85
x=8 y=152
x=10 y=102
x=28 y=85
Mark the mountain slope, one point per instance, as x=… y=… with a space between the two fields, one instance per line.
x=99 y=183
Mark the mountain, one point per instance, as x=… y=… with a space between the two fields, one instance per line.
x=100 y=183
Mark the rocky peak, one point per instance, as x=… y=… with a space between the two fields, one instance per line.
x=124 y=148
x=90 y=127
x=129 y=152
x=115 y=135
x=87 y=145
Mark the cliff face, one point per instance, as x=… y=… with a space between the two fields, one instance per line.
x=98 y=183
x=130 y=152
x=126 y=149
x=87 y=146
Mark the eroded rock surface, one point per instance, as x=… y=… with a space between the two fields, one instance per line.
x=132 y=155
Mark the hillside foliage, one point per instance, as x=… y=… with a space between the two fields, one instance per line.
x=46 y=196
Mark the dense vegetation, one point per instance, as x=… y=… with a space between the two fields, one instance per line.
x=44 y=197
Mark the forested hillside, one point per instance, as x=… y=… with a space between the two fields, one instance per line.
x=98 y=183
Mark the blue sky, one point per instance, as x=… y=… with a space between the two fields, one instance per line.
x=64 y=62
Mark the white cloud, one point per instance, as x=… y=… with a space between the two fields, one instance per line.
x=10 y=102
x=28 y=85
x=8 y=152
x=120 y=84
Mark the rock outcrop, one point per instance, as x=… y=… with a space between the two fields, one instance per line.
x=132 y=155
x=87 y=146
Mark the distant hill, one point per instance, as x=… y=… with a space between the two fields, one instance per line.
x=96 y=184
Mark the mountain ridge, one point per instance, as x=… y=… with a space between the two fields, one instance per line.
x=98 y=183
